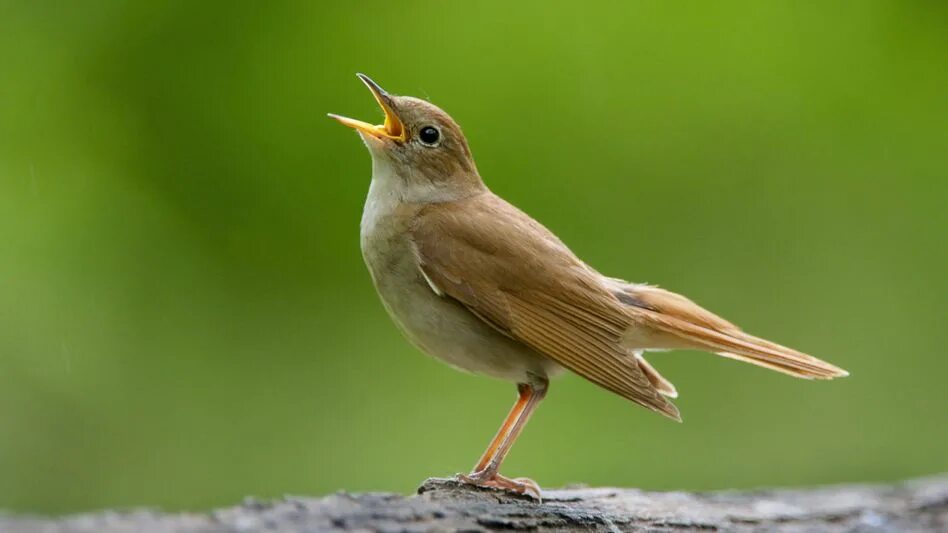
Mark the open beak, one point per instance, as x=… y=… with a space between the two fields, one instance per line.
x=392 y=128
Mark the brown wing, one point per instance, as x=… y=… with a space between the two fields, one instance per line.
x=513 y=273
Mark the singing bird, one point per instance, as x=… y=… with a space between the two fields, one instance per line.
x=473 y=281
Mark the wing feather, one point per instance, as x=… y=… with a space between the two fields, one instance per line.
x=514 y=274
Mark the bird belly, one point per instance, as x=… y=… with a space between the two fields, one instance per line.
x=442 y=327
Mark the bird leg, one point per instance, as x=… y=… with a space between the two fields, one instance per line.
x=485 y=472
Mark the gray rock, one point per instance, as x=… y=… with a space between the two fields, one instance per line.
x=445 y=505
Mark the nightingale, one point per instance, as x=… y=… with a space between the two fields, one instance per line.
x=475 y=282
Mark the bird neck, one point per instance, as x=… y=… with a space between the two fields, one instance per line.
x=405 y=184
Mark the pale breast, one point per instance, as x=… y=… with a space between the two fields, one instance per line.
x=441 y=327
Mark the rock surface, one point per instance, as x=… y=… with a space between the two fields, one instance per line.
x=444 y=505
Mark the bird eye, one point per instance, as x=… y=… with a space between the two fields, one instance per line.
x=429 y=135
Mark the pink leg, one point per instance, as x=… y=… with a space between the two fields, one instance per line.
x=485 y=473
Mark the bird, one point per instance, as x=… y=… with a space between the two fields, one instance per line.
x=474 y=281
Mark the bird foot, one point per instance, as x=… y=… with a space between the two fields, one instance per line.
x=520 y=485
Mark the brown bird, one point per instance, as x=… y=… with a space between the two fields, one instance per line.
x=474 y=281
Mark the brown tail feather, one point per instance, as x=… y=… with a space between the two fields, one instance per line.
x=744 y=347
x=771 y=366
x=699 y=328
x=747 y=348
x=662 y=385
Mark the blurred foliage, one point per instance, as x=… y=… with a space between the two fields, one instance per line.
x=185 y=318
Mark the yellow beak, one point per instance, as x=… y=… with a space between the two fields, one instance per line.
x=393 y=128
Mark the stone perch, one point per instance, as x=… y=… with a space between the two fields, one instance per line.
x=444 y=505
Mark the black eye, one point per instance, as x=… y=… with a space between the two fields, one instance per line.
x=429 y=135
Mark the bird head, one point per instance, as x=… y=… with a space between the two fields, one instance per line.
x=418 y=145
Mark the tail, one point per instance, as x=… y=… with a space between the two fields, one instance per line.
x=662 y=385
x=690 y=326
x=767 y=354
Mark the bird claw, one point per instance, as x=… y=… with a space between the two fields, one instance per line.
x=521 y=485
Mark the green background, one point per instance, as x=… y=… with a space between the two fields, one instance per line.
x=185 y=318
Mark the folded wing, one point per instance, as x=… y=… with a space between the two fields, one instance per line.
x=514 y=274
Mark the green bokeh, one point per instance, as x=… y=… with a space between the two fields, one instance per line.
x=185 y=318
